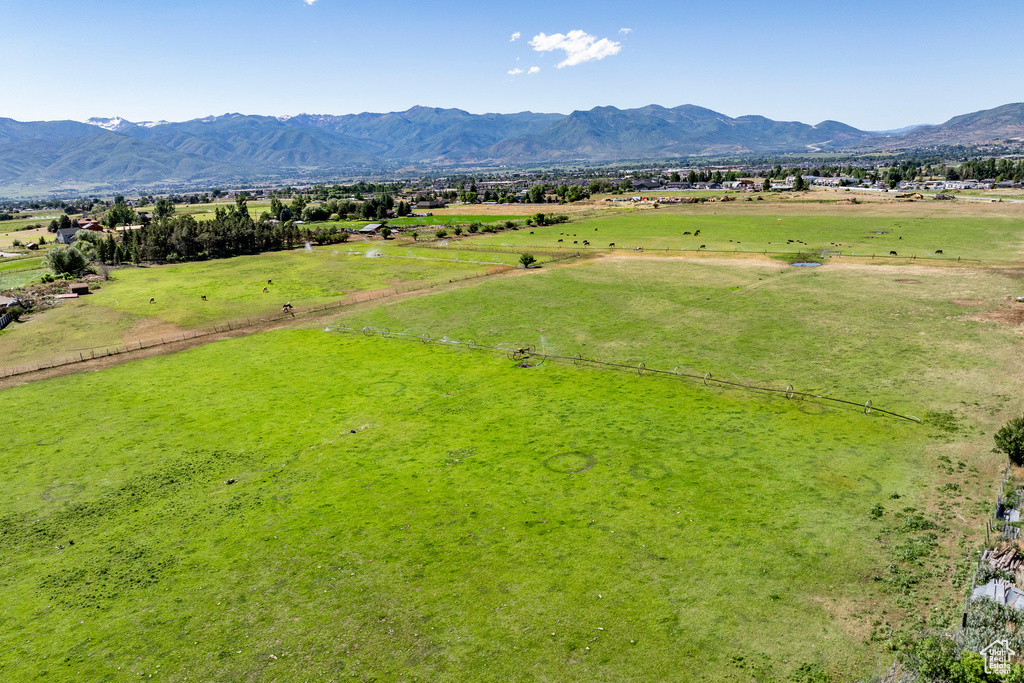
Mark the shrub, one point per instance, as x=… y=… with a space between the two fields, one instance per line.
x=42 y=240
x=385 y=232
x=527 y=260
x=474 y=227
x=67 y=261
x=16 y=243
x=15 y=312
x=509 y=225
x=441 y=234
x=1010 y=440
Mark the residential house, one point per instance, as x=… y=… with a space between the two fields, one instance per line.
x=65 y=235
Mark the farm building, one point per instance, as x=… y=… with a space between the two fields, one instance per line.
x=431 y=204
x=65 y=235
x=371 y=229
x=79 y=288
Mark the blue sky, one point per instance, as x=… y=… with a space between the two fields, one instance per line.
x=874 y=65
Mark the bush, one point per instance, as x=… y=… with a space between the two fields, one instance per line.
x=15 y=312
x=1010 y=440
x=527 y=260
x=509 y=225
x=441 y=234
x=67 y=261
x=474 y=227
x=457 y=230
x=16 y=243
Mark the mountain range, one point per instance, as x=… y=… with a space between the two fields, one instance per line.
x=116 y=154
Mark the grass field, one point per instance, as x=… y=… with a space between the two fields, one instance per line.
x=448 y=537
x=419 y=511
x=997 y=237
x=120 y=311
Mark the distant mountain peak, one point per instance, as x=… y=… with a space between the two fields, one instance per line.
x=116 y=123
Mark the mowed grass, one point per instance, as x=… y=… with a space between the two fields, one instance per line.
x=120 y=310
x=734 y=229
x=403 y=509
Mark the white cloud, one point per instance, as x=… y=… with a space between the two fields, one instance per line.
x=515 y=72
x=534 y=69
x=626 y=31
x=309 y=2
x=579 y=47
x=515 y=36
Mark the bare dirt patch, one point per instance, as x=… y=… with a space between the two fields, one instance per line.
x=970 y=302
x=1010 y=316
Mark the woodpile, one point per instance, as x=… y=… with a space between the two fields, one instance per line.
x=1007 y=559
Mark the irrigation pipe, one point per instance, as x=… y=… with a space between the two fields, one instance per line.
x=529 y=351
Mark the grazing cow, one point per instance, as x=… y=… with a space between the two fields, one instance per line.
x=696 y=233
x=152 y=300
x=639 y=249
x=702 y=246
x=938 y=251
x=559 y=240
x=892 y=253
x=265 y=290
x=612 y=244
x=531 y=232
x=575 y=241
x=586 y=243
x=203 y=297
x=687 y=233
x=270 y=282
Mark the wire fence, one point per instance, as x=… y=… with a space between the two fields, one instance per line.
x=91 y=353
x=529 y=352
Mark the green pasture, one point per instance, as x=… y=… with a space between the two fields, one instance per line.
x=402 y=510
x=20 y=263
x=120 y=309
x=884 y=334
x=990 y=238
x=19 y=278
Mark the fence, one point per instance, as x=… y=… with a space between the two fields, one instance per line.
x=5 y=320
x=530 y=352
x=83 y=355
x=590 y=248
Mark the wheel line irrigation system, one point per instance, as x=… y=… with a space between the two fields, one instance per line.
x=523 y=353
